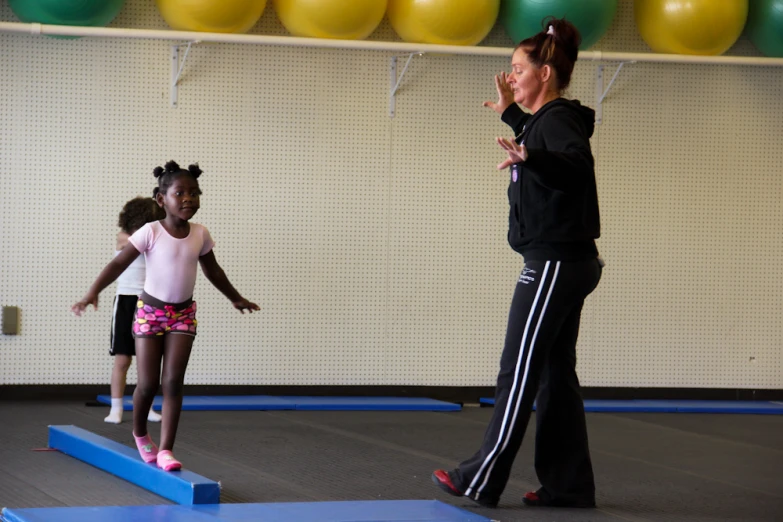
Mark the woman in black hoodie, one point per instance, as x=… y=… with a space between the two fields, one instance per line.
x=553 y=223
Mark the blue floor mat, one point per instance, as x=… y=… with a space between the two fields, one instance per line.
x=681 y=406
x=268 y=402
x=371 y=403
x=359 y=511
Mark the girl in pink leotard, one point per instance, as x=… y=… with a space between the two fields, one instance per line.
x=165 y=322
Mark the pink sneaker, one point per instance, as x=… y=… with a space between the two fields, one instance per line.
x=147 y=449
x=167 y=462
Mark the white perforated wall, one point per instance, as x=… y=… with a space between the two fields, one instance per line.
x=376 y=246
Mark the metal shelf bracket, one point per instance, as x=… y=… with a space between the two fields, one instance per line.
x=394 y=82
x=600 y=92
x=176 y=68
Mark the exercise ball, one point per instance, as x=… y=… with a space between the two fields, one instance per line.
x=211 y=16
x=445 y=22
x=702 y=27
x=67 y=12
x=765 y=26
x=523 y=18
x=341 y=19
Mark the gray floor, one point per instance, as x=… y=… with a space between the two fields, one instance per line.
x=649 y=467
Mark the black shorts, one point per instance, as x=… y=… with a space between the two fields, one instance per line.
x=122 y=342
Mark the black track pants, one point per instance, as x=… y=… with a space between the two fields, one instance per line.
x=539 y=358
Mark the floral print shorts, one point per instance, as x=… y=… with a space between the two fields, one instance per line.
x=154 y=318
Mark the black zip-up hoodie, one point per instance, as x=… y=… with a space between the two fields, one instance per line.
x=553 y=201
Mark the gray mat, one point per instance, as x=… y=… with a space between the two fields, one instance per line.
x=649 y=467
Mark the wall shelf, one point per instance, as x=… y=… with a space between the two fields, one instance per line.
x=187 y=38
x=367 y=45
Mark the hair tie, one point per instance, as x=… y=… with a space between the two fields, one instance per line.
x=551 y=30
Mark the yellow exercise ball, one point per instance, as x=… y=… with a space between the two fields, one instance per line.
x=340 y=19
x=212 y=16
x=701 y=27
x=445 y=22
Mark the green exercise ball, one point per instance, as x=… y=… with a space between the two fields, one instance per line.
x=523 y=18
x=765 y=26
x=67 y=12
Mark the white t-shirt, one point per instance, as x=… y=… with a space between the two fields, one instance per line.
x=131 y=281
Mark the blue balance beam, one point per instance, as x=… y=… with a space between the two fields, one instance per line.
x=347 y=511
x=268 y=402
x=182 y=487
